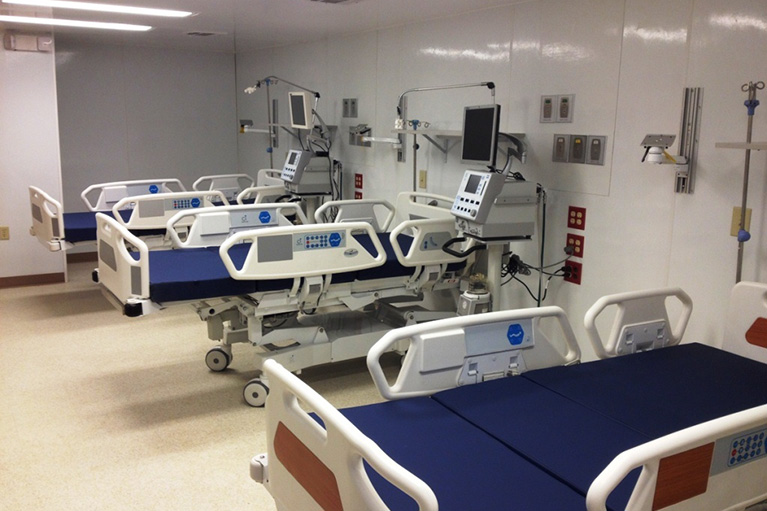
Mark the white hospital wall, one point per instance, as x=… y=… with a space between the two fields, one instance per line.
x=627 y=63
x=128 y=112
x=29 y=155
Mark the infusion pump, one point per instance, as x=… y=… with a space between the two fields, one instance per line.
x=306 y=173
x=489 y=207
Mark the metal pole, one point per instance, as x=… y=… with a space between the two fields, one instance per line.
x=743 y=236
x=272 y=129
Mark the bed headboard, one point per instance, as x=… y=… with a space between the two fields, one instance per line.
x=457 y=351
x=746 y=327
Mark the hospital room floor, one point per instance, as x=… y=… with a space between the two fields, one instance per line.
x=101 y=411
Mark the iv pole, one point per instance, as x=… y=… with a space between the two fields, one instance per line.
x=401 y=122
x=743 y=235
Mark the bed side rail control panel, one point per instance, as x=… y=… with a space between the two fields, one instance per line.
x=103 y=196
x=47 y=220
x=470 y=349
x=641 y=321
x=210 y=226
x=303 y=251
x=715 y=465
x=311 y=466
x=153 y=211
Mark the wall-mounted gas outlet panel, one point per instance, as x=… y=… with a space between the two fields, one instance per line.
x=561 y=148
x=564 y=108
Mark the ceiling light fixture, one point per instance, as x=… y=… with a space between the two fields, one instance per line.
x=88 y=6
x=74 y=23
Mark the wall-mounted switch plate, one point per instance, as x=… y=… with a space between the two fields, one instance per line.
x=564 y=107
x=595 y=150
x=577 y=149
x=561 y=148
x=5 y=233
x=353 y=108
x=547 y=108
x=345 y=107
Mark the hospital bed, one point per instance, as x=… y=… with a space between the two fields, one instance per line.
x=678 y=428
x=302 y=294
x=58 y=230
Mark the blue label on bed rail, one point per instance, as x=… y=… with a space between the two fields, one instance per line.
x=264 y=217
x=154 y=189
x=515 y=334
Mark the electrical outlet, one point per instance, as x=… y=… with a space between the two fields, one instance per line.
x=422 y=179
x=735 y=225
x=575 y=242
x=576 y=218
x=357 y=195
x=358 y=181
x=5 y=233
x=573 y=271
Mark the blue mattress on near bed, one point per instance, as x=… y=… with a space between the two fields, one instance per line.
x=81 y=226
x=198 y=273
x=568 y=422
x=466 y=468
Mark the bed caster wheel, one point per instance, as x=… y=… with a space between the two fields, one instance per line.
x=255 y=393
x=95 y=275
x=217 y=359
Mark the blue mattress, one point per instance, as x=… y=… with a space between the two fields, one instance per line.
x=466 y=468
x=79 y=227
x=199 y=273
x=567 y=422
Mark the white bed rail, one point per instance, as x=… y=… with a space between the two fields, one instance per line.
x=641 y=321
x=210 y=226
x=308 y=467
x=450 y=352
x=120 y=273
x=417 y=205
x=745 y=331
x=269 y=177
x=47 y=219
x=110 y=193
x=303 y=251
x=429 y=234
x=231 y=185
x=693 y=469
x=377 y=212
x=261 y=194
x=154 y=210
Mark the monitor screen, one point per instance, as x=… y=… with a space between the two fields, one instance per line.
x=300 y=110
x=480 y=134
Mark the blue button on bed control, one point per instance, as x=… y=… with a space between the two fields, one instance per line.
x=334 y=239
x=515 y=334
x=264 y=217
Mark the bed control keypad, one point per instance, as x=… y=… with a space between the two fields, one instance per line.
x=318 y=241
x=735 y=450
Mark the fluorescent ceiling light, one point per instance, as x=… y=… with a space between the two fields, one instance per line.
x=75 y=23
x=88 y=6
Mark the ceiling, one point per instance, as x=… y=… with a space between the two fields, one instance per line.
x=240 y=25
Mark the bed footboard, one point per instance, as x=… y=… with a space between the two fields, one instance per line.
x=47 y=219
x=713 y=466
x=125 y=277
x=309 y=466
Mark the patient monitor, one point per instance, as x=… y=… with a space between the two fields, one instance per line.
x=307 y=173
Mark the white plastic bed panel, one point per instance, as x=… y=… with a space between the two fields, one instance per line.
x=467 y=349
x=641 y=321
x=303 y=251
x=154 y=210
x=108 y=194
x=231 y=185
x=125 y=277
x=210 y=226
x=429 y=235
x=670 y=470
x=417 y=205
x=377 y=212
x=311 y=467
x=746 y=327
x=47 y=219
x=262 y=193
